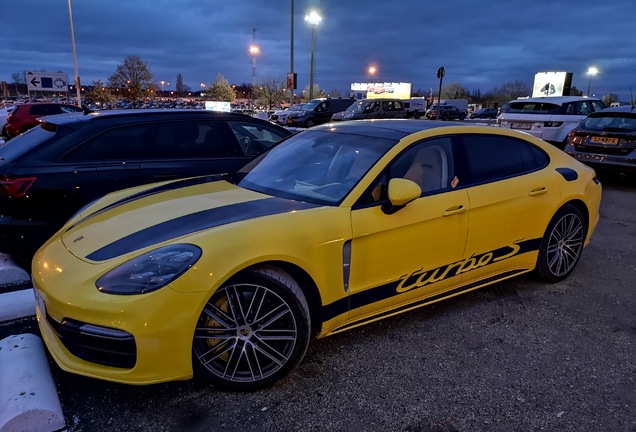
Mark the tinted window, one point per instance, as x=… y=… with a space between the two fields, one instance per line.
x=611 y=122
x=42 y=110
x=533 y=108
x=492 y=157
x=123 y=143
x=192 y=139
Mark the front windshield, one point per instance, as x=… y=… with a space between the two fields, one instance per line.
x=311 y=105
x=296 y=107
x=314 y=166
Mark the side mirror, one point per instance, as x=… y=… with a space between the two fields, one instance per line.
x=401 y=192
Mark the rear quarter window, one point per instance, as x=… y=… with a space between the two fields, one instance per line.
x=493 y=157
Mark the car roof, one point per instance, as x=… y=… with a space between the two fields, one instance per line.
x=387 y=128
x=618 y=109
x=557 y=100
x=169 y=114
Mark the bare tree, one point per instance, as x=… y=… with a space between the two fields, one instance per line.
x=133 y=78
x=454 y=91
x=270 y=91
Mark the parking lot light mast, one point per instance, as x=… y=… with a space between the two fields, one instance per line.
x=77 y=79
x=313 y=19
x=591 y=72
x=254 y=50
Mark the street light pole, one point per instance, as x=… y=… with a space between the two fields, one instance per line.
x=313 y=19
x=253 y=50
x=291 y=57
x=77 y=79
x=591 y=72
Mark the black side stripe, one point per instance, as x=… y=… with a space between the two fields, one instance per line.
x=429 y=299
x=195 y=222
x=389 y=290
x=153 y=191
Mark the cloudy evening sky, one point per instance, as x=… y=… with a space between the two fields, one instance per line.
x=481 y=43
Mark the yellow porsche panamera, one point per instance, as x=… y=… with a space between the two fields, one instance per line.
x=229 y=277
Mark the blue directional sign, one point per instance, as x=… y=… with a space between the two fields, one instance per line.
x=47 y=81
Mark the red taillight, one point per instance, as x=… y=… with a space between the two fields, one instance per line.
x=16 y=188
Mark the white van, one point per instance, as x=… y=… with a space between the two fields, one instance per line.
x=549 y=118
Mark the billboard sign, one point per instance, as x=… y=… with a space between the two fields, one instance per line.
x=46 y=82
x=548 y=84
x=383 y=90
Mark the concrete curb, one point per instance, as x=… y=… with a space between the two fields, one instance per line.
x=29 y=400
x=17 y=304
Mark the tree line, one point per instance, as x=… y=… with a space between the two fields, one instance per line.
x=133 y=80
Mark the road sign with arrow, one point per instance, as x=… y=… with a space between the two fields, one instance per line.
x=47 y=81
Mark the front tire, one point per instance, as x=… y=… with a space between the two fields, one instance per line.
x=562 y=244
x=310 y=123
x=252 y=332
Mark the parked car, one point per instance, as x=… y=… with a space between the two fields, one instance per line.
x=25 y=116
x=4 y=112
x=318 y=111
x=606 y=139
x=549 y=118
x=445 y=112
x=228 y=278
x=484 y=113
x=280 y=117
x=372 y=109
x=53 y=170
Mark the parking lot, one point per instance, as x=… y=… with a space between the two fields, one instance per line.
x=518 y=356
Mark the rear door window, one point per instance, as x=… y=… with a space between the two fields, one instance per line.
x=118 y=144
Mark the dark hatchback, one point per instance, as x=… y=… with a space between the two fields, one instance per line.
x=606 y=140
x=50 y=172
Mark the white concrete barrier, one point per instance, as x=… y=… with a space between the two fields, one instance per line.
x=10 y=273
x=17 y=304
x=28 y=396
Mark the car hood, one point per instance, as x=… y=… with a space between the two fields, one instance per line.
x=165 y=212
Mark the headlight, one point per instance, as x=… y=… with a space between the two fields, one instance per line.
x=150 y=271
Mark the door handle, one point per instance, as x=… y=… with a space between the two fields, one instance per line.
x=538 y=191
x=454 y=210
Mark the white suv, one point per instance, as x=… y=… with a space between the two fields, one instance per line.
x=549 y=118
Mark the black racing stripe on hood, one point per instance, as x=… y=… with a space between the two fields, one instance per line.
x=152 y=191
x=198 y=221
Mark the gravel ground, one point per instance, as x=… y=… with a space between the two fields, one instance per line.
x=518 y=356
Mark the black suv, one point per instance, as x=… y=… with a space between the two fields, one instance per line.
x=318 y=111
x=50 y=172
x=447 y=112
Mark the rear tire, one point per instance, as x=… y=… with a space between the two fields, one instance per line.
x=252 y=332
x=562 y=245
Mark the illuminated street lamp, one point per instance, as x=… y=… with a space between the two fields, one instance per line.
x=313 y=19
x=372 y=70
x=202 y=88
x=591 y=72
x=162 y=86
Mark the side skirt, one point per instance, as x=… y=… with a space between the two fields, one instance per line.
x=428 y=300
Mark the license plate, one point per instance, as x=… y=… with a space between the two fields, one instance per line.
x=603 y=140
x=525 y=126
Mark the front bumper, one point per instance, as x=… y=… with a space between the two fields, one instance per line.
x=132 y=339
